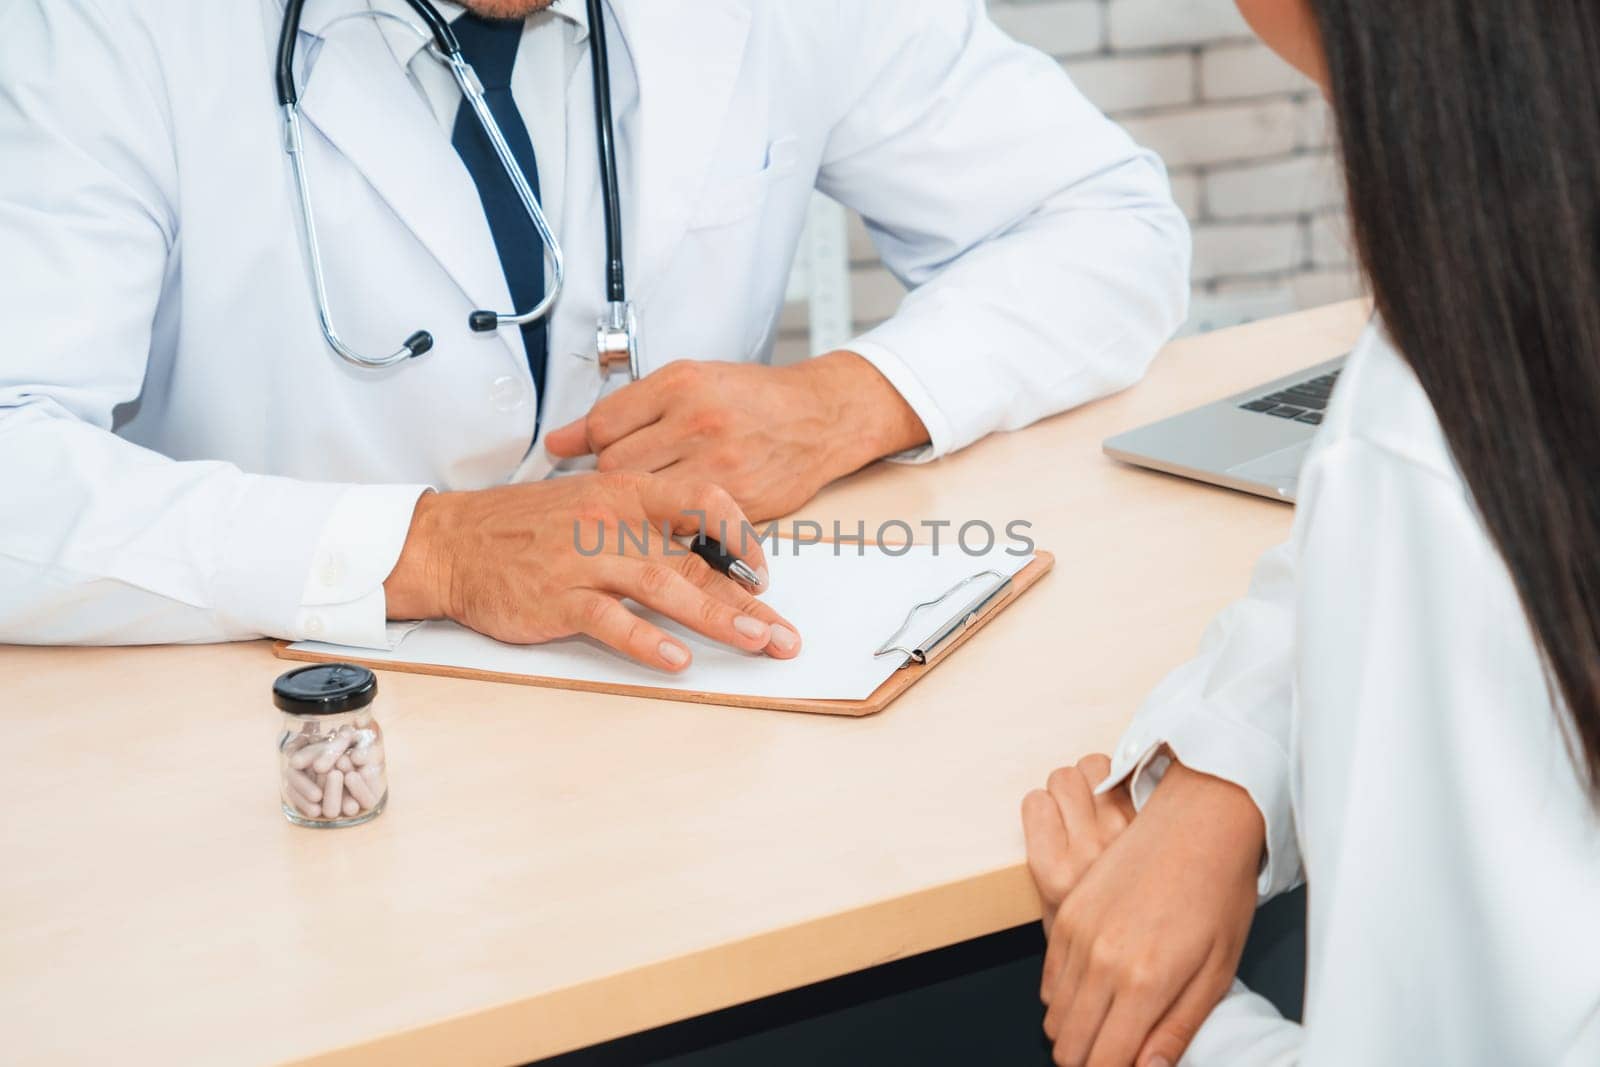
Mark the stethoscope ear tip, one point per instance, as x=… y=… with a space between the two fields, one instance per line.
x=483 y=321
x=419 y=343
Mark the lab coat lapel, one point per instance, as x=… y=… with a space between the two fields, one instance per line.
x=362 y=101
x=686 y=56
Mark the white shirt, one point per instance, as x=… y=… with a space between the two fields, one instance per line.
x=554 y=43
x=1380 y=695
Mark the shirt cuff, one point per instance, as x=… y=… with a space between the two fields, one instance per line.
x=342 y=601
x=941 y=436
x=1224 y=748
x=1245 y=1029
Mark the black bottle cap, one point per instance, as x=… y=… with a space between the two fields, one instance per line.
x=325 y=689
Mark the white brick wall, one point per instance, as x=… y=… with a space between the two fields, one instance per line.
x=1135 y=24
x=1244 y=136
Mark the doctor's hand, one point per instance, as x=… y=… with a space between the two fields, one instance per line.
x=1147 y=937
x=771 y=436
x=531 y=563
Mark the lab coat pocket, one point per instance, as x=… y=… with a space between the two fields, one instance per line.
x=730 y=200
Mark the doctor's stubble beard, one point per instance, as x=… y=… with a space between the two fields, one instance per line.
x=506 y=9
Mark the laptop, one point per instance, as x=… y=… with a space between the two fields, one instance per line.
x=1253 y=441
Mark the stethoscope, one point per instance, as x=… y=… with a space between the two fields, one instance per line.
x=617 y=336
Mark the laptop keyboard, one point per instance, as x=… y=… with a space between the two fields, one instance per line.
x=1302 y=402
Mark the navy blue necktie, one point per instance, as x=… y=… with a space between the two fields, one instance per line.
x=490 y=45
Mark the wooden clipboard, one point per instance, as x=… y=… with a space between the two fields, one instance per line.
x=882 y=697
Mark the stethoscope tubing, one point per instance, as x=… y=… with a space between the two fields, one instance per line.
x=484 y=321
x=447 y=48
x=600 y=67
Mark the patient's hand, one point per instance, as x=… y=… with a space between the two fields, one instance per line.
x=1067 y=827
x=1148 y=936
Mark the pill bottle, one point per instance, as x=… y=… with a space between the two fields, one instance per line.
x=331 y=764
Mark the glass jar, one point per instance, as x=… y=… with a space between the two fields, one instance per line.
x=331 y=765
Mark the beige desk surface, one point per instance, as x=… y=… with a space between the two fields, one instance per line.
x=556 y=868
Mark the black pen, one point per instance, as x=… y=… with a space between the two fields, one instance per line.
x=724 y=562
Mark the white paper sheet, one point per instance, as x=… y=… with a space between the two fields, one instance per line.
x=845 y=600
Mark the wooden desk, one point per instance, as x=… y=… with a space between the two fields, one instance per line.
x=556 y=869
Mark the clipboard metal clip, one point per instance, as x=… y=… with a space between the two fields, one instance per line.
x=973 y=607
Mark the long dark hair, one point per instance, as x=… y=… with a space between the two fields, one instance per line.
x=1471 y=140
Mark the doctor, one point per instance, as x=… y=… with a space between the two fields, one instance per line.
x=184 y=456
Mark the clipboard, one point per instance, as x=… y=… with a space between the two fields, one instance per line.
x=953 y=619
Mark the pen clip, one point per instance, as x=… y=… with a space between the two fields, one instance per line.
x=973 y=608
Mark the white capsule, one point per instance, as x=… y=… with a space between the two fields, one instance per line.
x=305 y=807
x=351 y=807
x=345 y=765
x=302 y=783
x=333 y=795
x=305 y=757
x=356 y=785
x=377 y=781
x=331 y=751
x=367 y=754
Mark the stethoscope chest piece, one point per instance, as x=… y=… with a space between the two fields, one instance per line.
x=617 y=341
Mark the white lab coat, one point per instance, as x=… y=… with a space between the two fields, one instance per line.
x=183 y=459
x=1380 y=695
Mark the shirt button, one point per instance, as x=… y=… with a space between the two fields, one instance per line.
x=1130 y=749
x=313 y=625
x=332 y=570
x=508 y=394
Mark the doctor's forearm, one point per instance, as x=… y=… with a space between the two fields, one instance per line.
x=415 y=588
x=979 y=353
x=873 y=420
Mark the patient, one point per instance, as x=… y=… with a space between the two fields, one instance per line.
x=1404 y=711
